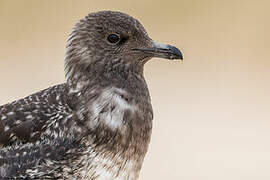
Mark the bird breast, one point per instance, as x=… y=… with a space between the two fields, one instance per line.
x=109 y=109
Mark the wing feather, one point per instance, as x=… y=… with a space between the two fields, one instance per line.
x=26 y=119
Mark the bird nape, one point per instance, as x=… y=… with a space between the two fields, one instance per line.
x=98 y=124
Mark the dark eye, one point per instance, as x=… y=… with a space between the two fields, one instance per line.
x=113 y=38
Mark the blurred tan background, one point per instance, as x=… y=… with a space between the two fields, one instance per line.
x=212 y=118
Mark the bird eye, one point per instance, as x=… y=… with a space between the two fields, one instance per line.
x=113 y=38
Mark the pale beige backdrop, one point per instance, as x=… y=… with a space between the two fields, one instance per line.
x=212 y=118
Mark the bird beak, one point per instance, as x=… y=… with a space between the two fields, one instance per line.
x=162 y=51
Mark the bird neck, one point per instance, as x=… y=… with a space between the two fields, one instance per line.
x=119 y=114
x=118 y=72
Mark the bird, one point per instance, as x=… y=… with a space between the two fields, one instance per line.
x=97 y=125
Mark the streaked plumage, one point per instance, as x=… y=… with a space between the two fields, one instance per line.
x=96 y=126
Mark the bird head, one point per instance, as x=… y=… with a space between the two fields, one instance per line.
x=112 y=41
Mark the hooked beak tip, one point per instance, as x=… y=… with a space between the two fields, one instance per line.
x=167 y=51
x=176 y=53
